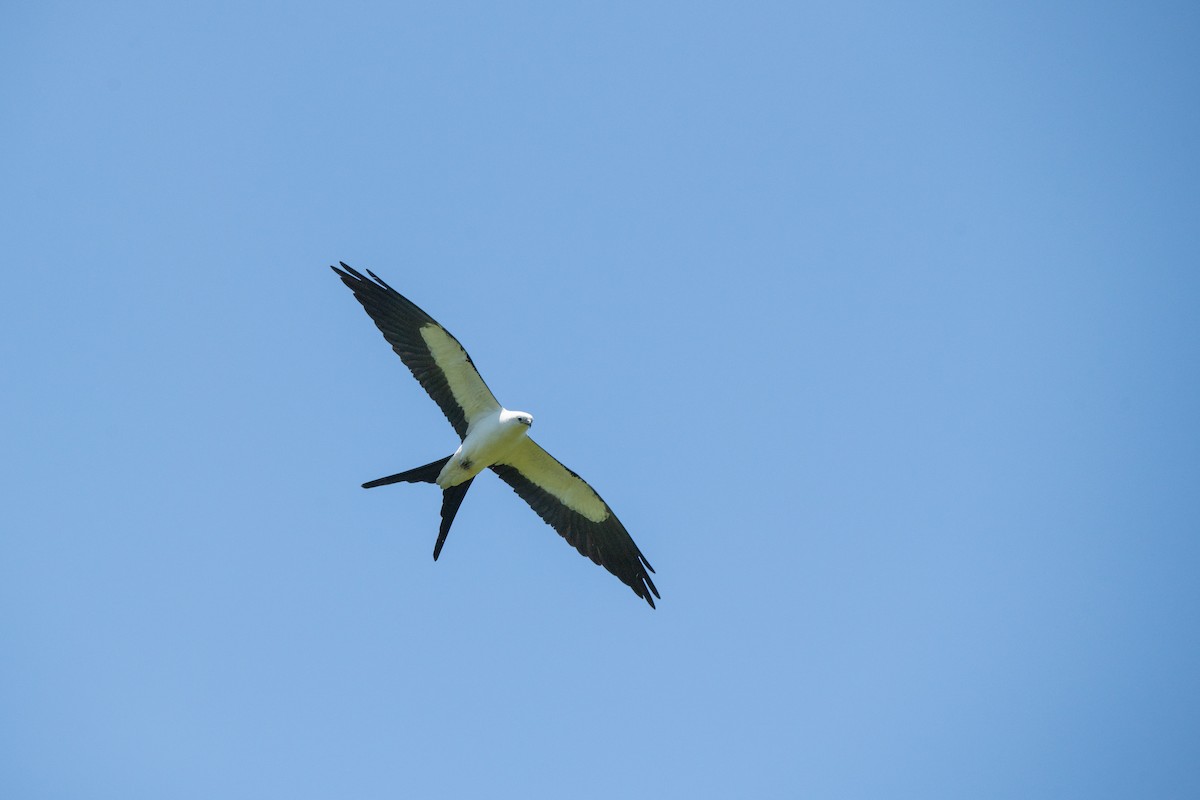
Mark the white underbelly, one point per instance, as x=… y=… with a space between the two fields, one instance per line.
x=488 y=441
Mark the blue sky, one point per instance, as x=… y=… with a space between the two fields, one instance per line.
x=877 y=325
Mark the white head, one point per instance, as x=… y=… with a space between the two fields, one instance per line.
x=521 y=417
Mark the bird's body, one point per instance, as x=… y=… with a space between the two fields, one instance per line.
x=489 y=439
x=492 y=437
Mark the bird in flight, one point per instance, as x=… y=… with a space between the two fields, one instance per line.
x=493 y=438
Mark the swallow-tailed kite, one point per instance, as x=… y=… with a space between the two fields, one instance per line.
x=492 y=436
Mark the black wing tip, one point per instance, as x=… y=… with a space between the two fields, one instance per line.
x=347 y=271
x=357 y=281
x=643 y=583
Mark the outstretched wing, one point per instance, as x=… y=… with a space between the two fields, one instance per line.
x=566 y=502
x=436 y=359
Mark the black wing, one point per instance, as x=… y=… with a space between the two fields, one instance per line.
x=569 y=505
x=436 y=359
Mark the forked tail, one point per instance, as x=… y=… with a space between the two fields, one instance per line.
x=451 y=498
x=425 y=474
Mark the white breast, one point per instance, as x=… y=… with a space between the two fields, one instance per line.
x=489 y=438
